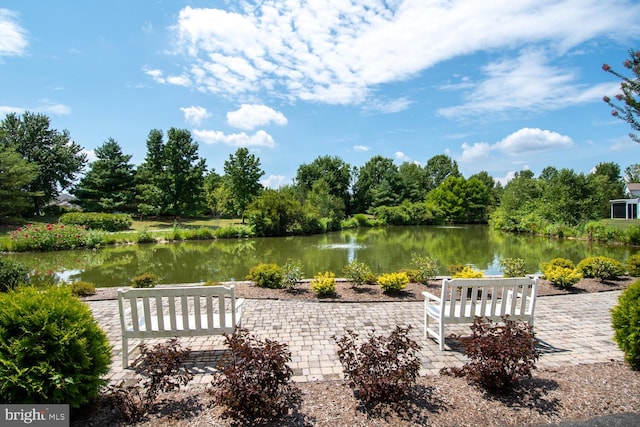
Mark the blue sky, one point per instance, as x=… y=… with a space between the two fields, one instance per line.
x=498 y=86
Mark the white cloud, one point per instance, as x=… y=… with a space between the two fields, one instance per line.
x=525 y=83
x=273 y=181
x=505 y=179
x=527 y=140
x=393 y=106
x=45 y=107
x=360 y=148
x=475 y=152
x=258 y=139
x=13 y=40
x=251 y=116
x=91 y=155
x=181 y=80
x=341 y=52
x=194 y=115
x=402 y=157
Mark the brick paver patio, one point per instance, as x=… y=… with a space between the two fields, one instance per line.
x=572 y=329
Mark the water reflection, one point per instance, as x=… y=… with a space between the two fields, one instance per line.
x=383 y=249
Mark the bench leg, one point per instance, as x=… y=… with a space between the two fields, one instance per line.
x=441 y=333
x=125 y=353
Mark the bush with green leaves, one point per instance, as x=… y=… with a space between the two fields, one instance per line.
x=625 y=318
x=161 y=366
x=324 y=284
x=381 y=369
x=393 y=282
x=292 y=274
x=145 y=280
x=97 y=220
x=633 y=265
x=427 y=268
x=234 y=232
x=468 y=272
x=358 y=273
x=266 y=275
x=52 y=237
x=500 y=354
x=12 y=274
x=83 y=289
x=513 y=267
x=145 y=236
x=253 y=378
x=601 y=267
x=51 y=348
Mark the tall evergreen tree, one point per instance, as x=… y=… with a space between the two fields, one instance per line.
x=171 y=180
x=15 y=174
x=57 y=157
x=108 y=185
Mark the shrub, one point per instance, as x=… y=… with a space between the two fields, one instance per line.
x=393 y=282
x=83 y=289
x=234 y=232
x=291 y=274
x=513 y=267
x=601 y=267
x=383 y=368
x=49 y=237
x=633 y=265
x=358 y=273
x=468 y=272
x=98 y=221
x=51 y=348
x=266 y=275
x=455 y=268
x=500 y=354
x=144 y=236
x=253 y=378
x=427 y=268
x=625 y=317
x=12 y=274
x=324 y=283
x=561 y=272
x=632 y=235
x=562 y=277
x=145 y=280
x=161 y=368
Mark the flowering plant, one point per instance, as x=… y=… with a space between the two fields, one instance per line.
x=48 y=237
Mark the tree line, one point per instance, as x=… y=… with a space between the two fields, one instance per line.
x=38 y=163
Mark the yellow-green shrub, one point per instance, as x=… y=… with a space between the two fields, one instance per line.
x=562 y=277
x=83 y=289
x=266 y=275
x=468 y=272
x=324 y=283
x=601 y=267
x=146 y=280
x=633 y=265
x=391 y=282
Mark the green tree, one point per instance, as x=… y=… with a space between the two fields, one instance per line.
x=629 y=110
x=171 y=179
x=15 y=175
x=461 y=200
x=57 y=157
x=326 y=205
x=243 y=173
x=604 y=184
x=437 y=169
x=108 y=185
x=632 y=173
x=274 y=213
x=520 y=198
x=378 y=184
x=412 y=177
x=333 y=170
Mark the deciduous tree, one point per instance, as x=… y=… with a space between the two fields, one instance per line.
x=243 y=173
x=58 y=158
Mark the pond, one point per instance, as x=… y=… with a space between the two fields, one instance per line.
x=385 y=250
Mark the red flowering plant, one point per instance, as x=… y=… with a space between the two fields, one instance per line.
x=629 y=107
x=48 y=237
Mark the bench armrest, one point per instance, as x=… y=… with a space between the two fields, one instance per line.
x=431 y=297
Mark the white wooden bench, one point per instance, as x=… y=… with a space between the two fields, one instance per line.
x=177 y=311
x=462 y=300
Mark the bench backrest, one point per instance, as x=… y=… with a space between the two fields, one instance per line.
x=188 y=309
x=490 y=297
